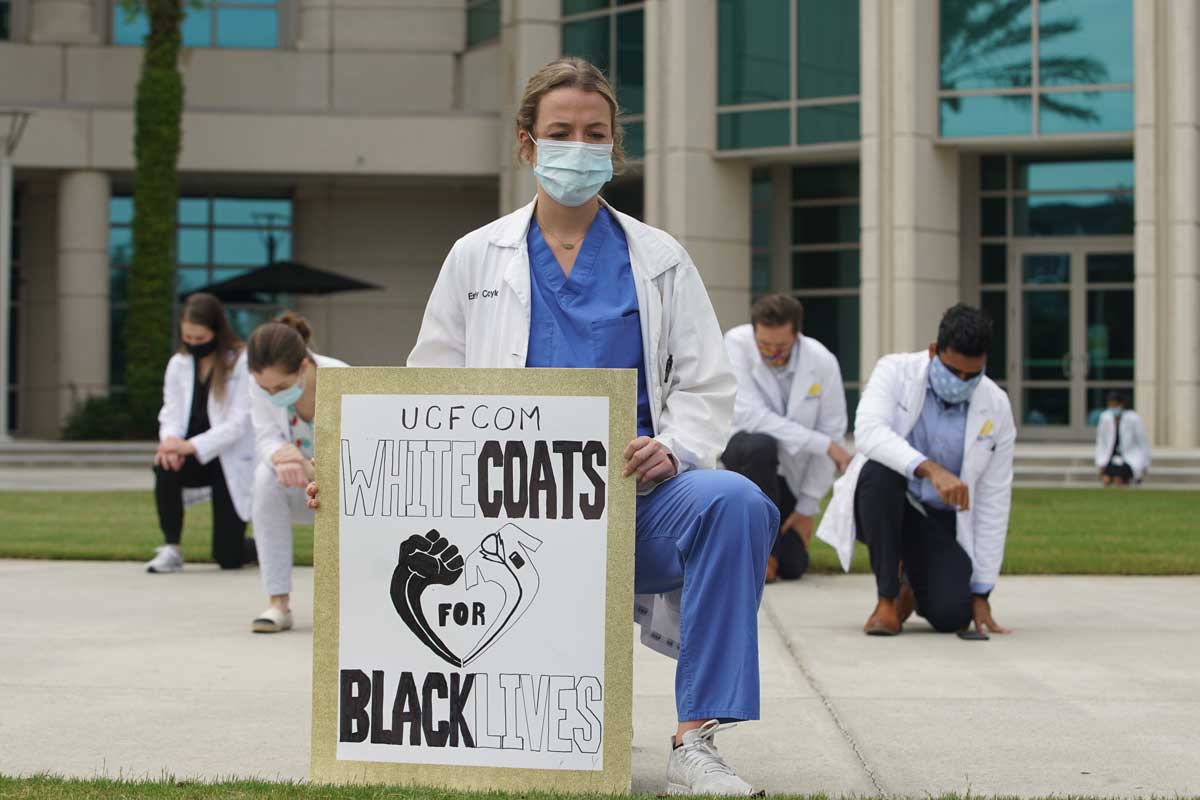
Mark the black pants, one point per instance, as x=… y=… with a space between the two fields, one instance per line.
x=229 y=546
x=896 y=533
x=1122 y=471
x=756 y=456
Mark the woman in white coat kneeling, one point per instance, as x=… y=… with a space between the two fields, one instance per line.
x=202 y=433
x=1122 y=447
x=283 y=400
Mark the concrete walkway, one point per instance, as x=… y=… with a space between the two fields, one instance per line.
x=105 y=670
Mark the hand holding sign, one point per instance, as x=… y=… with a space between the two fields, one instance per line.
x=424 y=561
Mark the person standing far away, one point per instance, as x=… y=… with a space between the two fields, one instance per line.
x=931 y=486
x=202 y=434
x=788 y=422
x=582 y=285
x=1122 y=448
x=283 y=400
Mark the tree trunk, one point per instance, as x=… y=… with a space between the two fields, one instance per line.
x=158 y=118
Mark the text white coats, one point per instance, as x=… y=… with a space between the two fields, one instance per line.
x=271 y=429
x=887 y=413
x=1135 y=446
x=478 y=316
x=227 y=437
x=812 y=416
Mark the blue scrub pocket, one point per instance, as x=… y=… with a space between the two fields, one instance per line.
x=617 y=342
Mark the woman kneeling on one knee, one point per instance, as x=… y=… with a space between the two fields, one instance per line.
x=202 y=431
x=283 y=401
x=580 y=284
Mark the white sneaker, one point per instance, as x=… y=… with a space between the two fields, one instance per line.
x=272 y=621
x=167 y=558
x=695 y=767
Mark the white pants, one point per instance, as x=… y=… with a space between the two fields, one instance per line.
x=275 y=509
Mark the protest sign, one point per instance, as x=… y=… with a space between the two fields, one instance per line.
x=474 y=578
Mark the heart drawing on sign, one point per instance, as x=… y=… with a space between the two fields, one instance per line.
x=460 y=606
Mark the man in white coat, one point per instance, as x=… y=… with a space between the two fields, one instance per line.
x=788 y=422
x=930 y=489
x=1122 y=449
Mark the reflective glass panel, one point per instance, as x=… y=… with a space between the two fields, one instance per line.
x=993 y=173
x=1005 y=115
x=752 y=51
x=118 y=285
x=825 y=224
x=483 y=22
x=1085 y=41
x=248 y=27
x=192 y=211
x=836 y=123
x=822 y=183
x=590 y=39
x=1073 y=215
x=995 y=305
x=5 y=34
x=635 y=140
x=1047 y=407
x=826 y=48
x=189 y=279
x=627 y=194
x=120 y=210
x=1110 y=267
x=993 y=263
x=992 y=216
x=1074 y=175
x=748 y=129
x=760 y=274
x=116 y=349
x=852 y=396
x=231 y=246
x=129 y=29
x=580 y=6
x=833 y=321
x=219 y=275
x=1047 y=335
x=1046 y=268
x=760 y=208
x=1086 y=112
x=196 y=30
x=631 y=61
x=255 y=213
x=191 y=246
x=245 y=320
x=1097 y=401
x=986 y=44
x=120 y=247
x=1110 y=334
x=825 y=269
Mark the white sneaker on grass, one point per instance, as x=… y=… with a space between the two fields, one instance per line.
x=272 y=621
x=167 y=558
x=695 y=767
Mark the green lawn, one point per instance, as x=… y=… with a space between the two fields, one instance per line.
x=1054 y=531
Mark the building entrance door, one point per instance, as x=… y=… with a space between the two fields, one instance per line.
x=1074 y=333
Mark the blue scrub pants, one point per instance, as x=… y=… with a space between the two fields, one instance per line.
x=710 y=532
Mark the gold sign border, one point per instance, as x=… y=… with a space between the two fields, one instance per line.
x=620 y=387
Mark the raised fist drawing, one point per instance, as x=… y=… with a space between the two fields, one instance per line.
x=424 y=560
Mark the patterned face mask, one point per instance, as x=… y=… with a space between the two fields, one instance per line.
x=949 y=387
x=776 y=355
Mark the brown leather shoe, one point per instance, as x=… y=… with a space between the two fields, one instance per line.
x=884 y=621
x=772 y=569
x=905 y=603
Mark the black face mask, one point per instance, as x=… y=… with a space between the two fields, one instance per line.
x=202 y=350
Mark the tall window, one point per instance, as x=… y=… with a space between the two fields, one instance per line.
x=14 y=315
x=612 y=35
x=483 y=21
x=5 y=20
x=218 y=238
x=1036 y=67
x=788 y=73
x=825 y=263
x=211 y=23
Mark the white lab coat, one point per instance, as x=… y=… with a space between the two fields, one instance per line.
x=229 y=424
x=271 y=429
x=887 y=413
x=478 y=316
x=814 y=413
x=1135 y=446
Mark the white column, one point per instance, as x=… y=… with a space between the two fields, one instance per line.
x=1167 y=232
x=83 y=303
x=65 y=21
x=530 y=38
x=910 y=208
x=702 y=201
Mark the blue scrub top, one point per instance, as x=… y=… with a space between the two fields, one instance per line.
x=590 y=319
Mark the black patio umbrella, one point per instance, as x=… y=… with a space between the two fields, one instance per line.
x=282 y=277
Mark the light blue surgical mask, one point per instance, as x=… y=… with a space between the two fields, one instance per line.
x=949 y=387
x=288 y=397
x=572 y=172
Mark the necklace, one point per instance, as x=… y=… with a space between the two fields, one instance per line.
x=565 y=245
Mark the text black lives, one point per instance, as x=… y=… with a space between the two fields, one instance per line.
x=506 y=711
